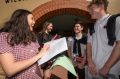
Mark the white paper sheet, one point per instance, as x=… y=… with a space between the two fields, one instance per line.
x=56 y=47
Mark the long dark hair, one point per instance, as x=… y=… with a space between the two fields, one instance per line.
x=18 y=28
x=44 y=27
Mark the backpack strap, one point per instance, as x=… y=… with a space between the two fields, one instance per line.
x=91 y=29
x=110 y=27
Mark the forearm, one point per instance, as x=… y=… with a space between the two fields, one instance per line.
x=85 y=54
x=69 y=52
x=114 y=57
x=89 y=53
x=21 y=65
x=12 y=67
x=85 y=58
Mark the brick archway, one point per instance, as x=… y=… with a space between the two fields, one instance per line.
x=60 y=7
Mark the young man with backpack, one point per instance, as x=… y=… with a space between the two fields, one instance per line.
x=103 y=48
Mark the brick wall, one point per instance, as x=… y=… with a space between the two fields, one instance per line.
x=59 y=7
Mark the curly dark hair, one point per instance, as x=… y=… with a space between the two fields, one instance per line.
x=18 y=28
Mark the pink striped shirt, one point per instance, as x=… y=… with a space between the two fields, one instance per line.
x=21 y=52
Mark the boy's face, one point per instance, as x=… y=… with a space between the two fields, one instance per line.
x=95 y=10
x=78 y=28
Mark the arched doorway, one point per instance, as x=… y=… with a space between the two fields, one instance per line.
x=54 y=8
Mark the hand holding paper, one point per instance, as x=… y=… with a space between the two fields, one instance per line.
x=56 y=47
x=44 y=50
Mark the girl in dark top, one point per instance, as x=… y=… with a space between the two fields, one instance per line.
x=43 y=37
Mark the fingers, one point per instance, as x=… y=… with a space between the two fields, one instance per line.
x=79 y=59
x=92 y=70
x=44 y=50
x=81 y=66
x=46 y=46
x=55 y=37
x=47 y=74
x=104 y=72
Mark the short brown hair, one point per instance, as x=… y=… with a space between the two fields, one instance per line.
x=99 y=2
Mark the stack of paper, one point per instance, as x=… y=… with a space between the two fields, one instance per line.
x=56 y=47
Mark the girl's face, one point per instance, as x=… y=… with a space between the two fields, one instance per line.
x=31 y=21
x=78 y=28
x=49 y=27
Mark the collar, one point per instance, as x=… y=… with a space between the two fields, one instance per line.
x=79 y=37
x=103 y=18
